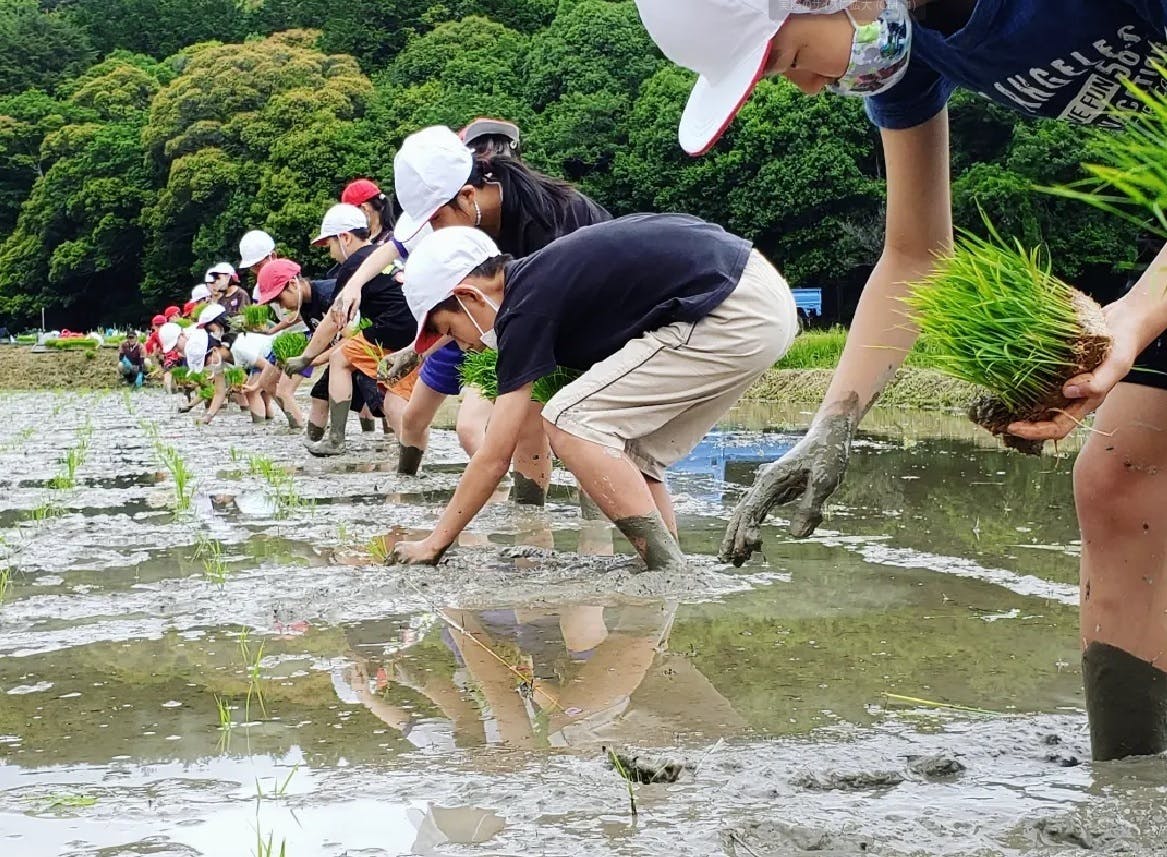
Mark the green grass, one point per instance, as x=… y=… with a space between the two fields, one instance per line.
x=993 y=315
x=480 y=370
x=288 y=345
x=821 y=349
x=72 y=344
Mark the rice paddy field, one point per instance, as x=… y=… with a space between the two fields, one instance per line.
x=204 y=652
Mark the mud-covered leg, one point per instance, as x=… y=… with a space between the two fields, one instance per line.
x=1120 y=485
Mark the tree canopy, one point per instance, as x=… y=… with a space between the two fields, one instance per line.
x=140 y=138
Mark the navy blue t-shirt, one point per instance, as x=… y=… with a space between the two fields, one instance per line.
x=1061 y=59
x=583 y=297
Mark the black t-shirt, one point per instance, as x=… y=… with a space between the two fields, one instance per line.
x=523 y=232
x=312 y=312
x=382 y=303
x=586 y=295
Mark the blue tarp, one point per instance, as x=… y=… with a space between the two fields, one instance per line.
x=808 y=299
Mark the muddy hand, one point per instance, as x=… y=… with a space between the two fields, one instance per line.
x=394 y=367
x=810 y=473
x=423 y=552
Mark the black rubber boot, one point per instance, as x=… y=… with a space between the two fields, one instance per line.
x=409 y=460
x=313 y=433
x=368 y=424
x=1126 y=698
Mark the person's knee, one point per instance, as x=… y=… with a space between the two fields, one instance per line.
x=1115 y=496
x=337 y=362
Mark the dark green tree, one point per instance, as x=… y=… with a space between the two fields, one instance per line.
x=39 y=48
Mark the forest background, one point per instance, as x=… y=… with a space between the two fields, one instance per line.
x=140 y=138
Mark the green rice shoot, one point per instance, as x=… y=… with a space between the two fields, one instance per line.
x=235 y=377
x=1129 y=180
x=255 y=317
x=479 y=370
x=288 y=345
x=993 y=314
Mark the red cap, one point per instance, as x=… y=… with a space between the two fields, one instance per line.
x=273 y=277
x=171 y=311
x=188 y=306
x=158 y=320
x=360 y=190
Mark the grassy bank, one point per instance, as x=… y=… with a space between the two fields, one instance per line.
x=87 y=368
x=800 y=378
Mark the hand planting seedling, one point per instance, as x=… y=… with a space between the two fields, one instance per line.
x=480 y=370
x=288 y=345
x=235 y=377
x=994 y=315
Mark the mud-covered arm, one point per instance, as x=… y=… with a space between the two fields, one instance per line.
x=919 y=226
x=481 y=477
x=218 y=400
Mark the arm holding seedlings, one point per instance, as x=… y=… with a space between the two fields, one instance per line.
x=348 y=300
x=318 y=345
x=919 y=225
x=481 y=477
x=1134 y=321
x=216 y=401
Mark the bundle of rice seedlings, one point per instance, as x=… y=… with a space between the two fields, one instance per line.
x=1130 y=178
x=288 y=345
x=992 y=314
x=480 y=370
x=179 y=374
x=235 y=377
x=254 y=317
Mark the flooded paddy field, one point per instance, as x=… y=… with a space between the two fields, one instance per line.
x=248 y=673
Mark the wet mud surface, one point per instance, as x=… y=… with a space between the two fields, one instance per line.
x=175 y=682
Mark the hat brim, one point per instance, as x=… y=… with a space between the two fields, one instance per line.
x=712 y=105
x=425 y=340
x=244 y=264
x=408 y=226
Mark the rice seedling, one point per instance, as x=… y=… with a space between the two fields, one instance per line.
x=993 y=314
x=288 y=345
x=214 y=567
x=183 y=477
x=69 y=801
x=223 y=710
x=254 y=683
x=45 y=511
x=1129 y=179
x=378 y=548
x=253 y=317
x=265 y=848
x=618 y=765
x=5 y=581
x=279 y=789
x=235 y=377
x=480 y=370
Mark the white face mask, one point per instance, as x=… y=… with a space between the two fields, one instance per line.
x=488 y=337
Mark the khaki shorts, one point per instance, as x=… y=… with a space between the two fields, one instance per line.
x=659 y=395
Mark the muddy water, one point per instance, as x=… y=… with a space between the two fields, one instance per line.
x=204 y=682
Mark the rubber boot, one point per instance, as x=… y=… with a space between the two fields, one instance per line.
x=409 y=460
x=368 y=424
x=257 y=419
x=1126 y=700
x=333 y=443
x=313 y=433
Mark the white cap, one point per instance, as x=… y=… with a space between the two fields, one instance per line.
x=208 y=277
x=209 y=313
x=195 y=352
x=411 y=244
x=727 y=43
x=432 y=165
x=435 y=269
x=223 y=268
x=253 y=246
x=339 y=219
x=200 y=292
x=168 y=336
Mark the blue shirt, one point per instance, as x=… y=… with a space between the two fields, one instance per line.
x=1062 y=59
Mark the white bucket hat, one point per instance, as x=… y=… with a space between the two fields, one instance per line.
x=435 y=269
x=727 y=42
x=339 y=219
x=210 y=313
x=168 y=335
x=200 y=293
x=430 y=168
x=254 y=246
